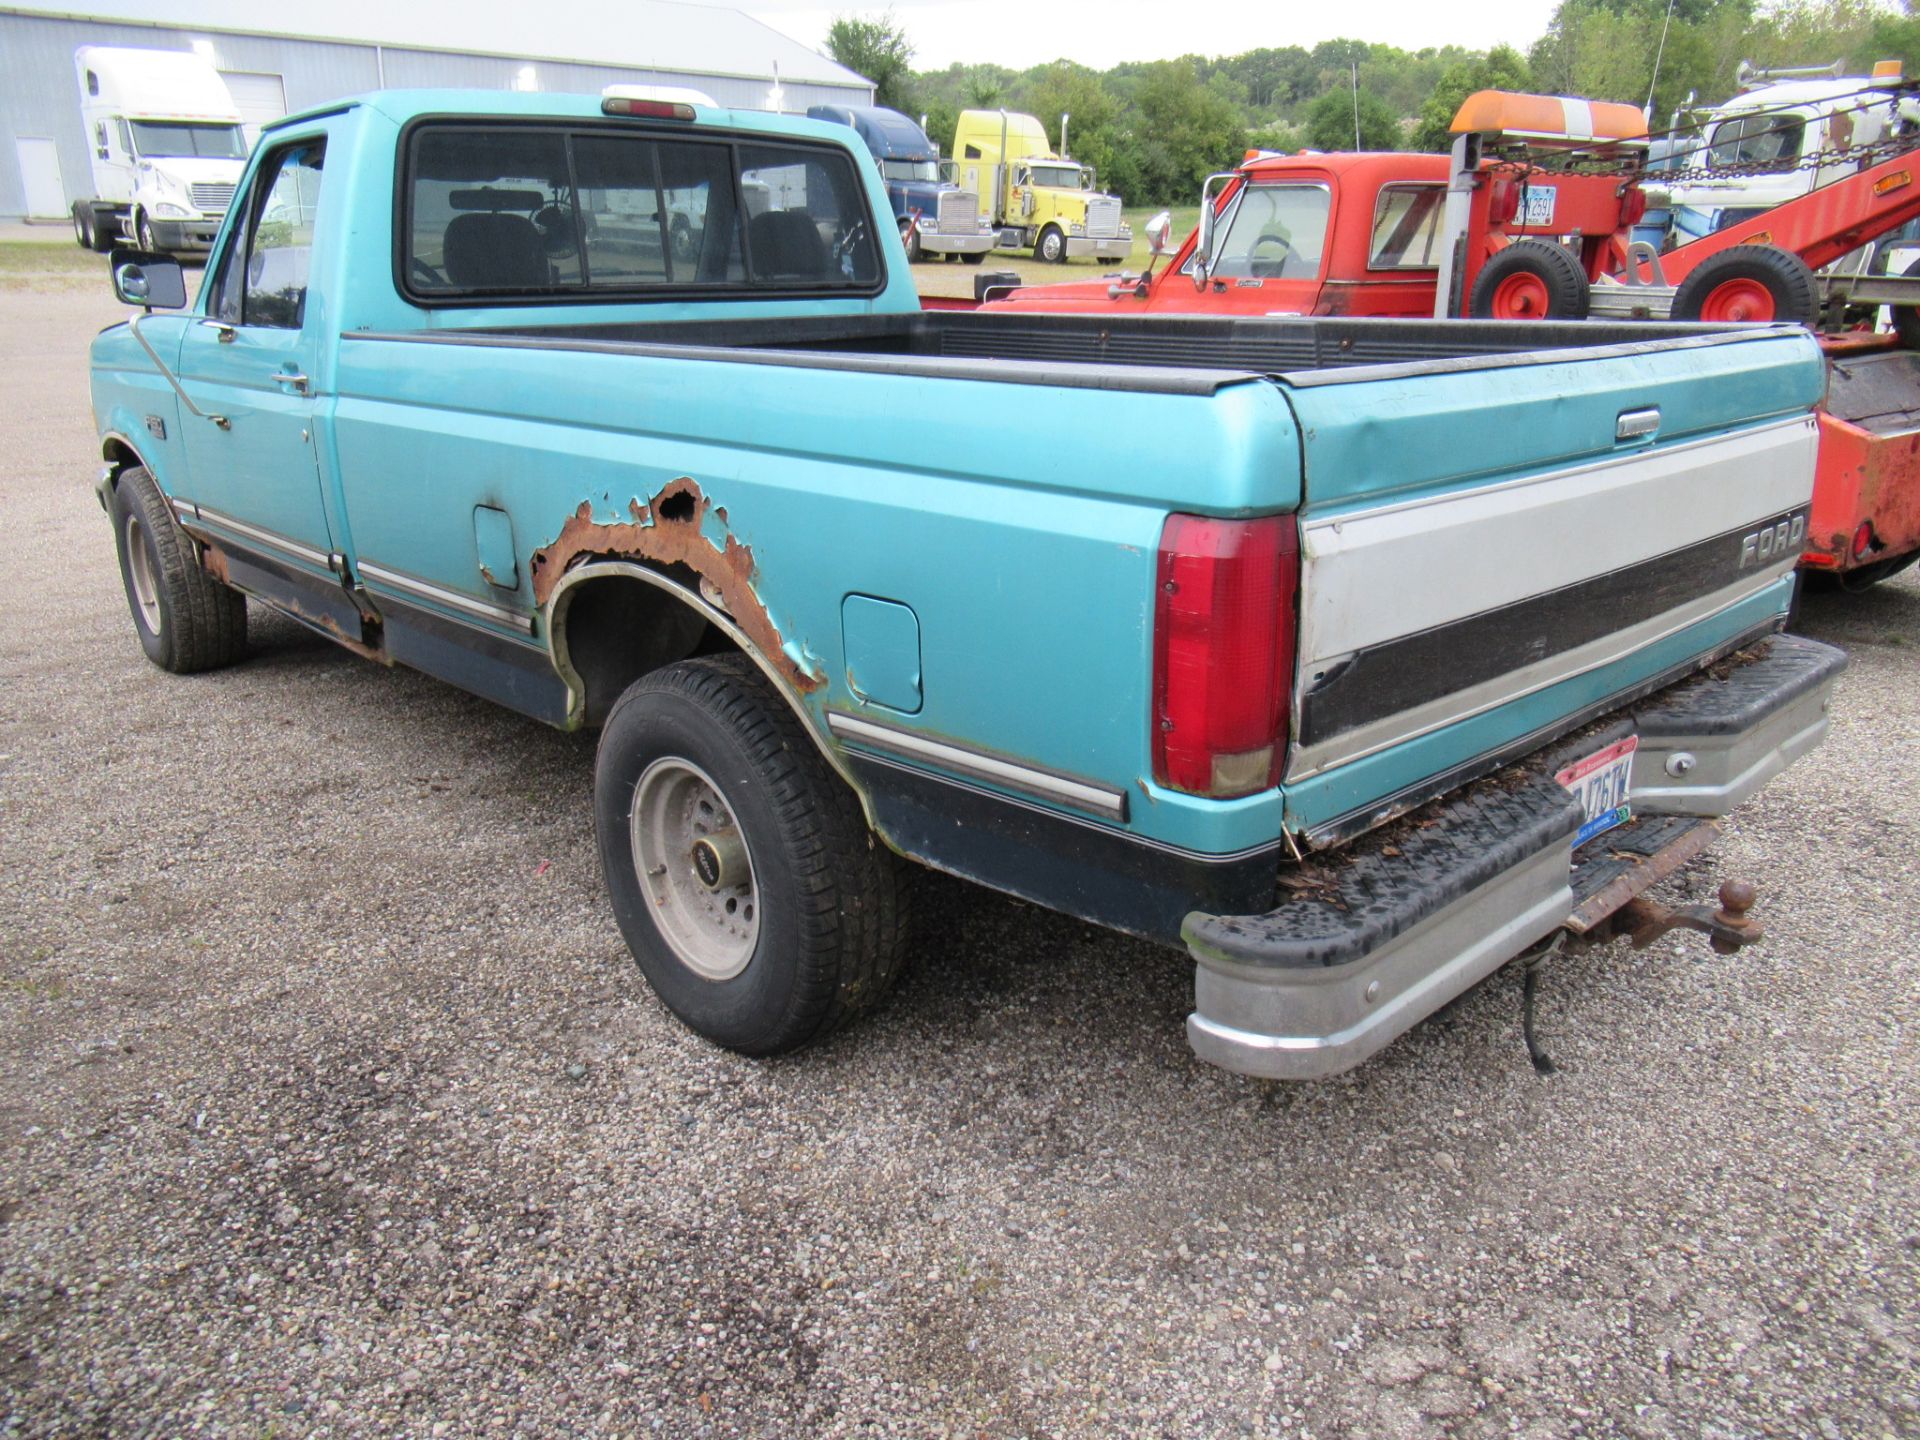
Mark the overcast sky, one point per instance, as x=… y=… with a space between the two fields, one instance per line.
x=1019 y=33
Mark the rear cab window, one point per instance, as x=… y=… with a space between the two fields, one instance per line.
x=1406 y=227
x=556 y=212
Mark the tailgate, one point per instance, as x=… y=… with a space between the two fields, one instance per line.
x=1491 y=548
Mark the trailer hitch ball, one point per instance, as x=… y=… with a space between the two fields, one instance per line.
x=1727 y=928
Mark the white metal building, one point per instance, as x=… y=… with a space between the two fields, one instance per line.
x=344 y=47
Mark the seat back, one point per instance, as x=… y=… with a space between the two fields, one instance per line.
x=786 y=244
x=494 y=251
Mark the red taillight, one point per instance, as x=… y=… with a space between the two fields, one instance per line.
x=1633 y=205
x=1223 y=653
x=646 y=109
x=1503 y=202
x=1863 y=539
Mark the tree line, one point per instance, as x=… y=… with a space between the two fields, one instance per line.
x=1154 y=130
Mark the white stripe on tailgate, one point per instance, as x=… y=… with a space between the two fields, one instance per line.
x=1374 y=575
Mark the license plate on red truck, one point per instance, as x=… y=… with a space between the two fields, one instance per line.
x=1599 y=782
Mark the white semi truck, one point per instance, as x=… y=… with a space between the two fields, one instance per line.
x=167 y=149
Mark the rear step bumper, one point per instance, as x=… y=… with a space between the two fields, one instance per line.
x=1378 y=935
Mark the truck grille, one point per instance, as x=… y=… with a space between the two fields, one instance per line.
x=211 y=199
x=1103 y=217
x=958 y=210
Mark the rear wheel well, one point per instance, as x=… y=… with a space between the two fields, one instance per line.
x=610 y=630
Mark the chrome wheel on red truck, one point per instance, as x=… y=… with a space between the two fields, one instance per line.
x=758 y=904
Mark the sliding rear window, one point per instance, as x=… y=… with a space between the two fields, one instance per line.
x=504 y=214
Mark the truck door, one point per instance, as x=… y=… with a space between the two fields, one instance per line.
x=250 y=358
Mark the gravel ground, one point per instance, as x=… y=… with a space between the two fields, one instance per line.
x=330 y=1104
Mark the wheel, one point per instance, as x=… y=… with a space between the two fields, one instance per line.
x=83 y=226
x=911 y=235
x=186 y=620
x=1531 y=280
x=1051 y=246
x=1906 y=318
x=759 y=906
x=143 y=232
x=1865 y=577
x=105 y=228
x=682 y=241
x=974 y=259
x=1748 y=282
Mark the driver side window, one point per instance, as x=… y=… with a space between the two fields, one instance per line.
x=263 y=279
x=1275 y=232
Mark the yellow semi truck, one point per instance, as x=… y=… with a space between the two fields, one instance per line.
x=1038 y=200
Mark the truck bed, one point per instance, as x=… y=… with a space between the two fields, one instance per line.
x=1161 y=354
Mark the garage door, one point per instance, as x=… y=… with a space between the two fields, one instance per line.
x=259 y=98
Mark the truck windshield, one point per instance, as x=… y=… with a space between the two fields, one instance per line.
x=1275 y=232
x=1057 y=177
x=155 y=139
x=928 y=170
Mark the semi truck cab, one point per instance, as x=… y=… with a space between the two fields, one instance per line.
x=167 y=149
x=936 y=217
x=1039 y=200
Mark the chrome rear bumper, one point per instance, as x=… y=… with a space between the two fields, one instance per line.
x=1378 y=935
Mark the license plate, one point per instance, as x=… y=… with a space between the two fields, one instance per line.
x=1599 y=783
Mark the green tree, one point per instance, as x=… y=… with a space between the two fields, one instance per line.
x=1181 y=133
x=877 y=48
x=1501 y=68
x=1330 y=122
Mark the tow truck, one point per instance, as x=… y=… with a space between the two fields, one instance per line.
x=1530 y=218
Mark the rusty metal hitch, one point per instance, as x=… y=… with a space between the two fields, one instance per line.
x=1644 y=921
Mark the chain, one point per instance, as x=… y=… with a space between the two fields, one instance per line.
x=1602 y=166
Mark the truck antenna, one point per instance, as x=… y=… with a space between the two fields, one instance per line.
x=1356 y=103
x=1658 y=55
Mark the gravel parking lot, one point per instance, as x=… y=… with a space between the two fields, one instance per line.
x=330 y=1104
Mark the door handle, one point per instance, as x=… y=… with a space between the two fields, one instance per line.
x=293 y=378
x=220 y=328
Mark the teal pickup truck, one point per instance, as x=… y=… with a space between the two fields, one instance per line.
x=1353 y=658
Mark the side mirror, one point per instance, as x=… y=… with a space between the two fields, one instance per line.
x=1203 y=247
x=1159 y=233
x=151 y=281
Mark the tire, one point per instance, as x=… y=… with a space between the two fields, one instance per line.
x=1531 y=280
x=1749 y=283
x=912 y=240
x=1051 y=246
x=106 y=230
x=143 y=234
x=807 y=932
x=83 y=226
x=186 y=620
x=1906 y=318
x=974 y=259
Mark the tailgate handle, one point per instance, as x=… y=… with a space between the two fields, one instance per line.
x=1637 y=424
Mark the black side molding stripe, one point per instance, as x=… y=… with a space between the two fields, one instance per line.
x=1414 y=669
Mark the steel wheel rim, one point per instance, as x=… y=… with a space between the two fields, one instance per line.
x=146 y=592
x=693 y=865
x=1738 y=300
x=1520 y=297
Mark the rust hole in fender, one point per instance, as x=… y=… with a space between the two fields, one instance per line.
x=664 y=531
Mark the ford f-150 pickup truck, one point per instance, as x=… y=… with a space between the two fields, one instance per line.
x=1355 y=658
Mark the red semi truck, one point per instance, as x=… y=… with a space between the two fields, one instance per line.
x=1493 y=232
